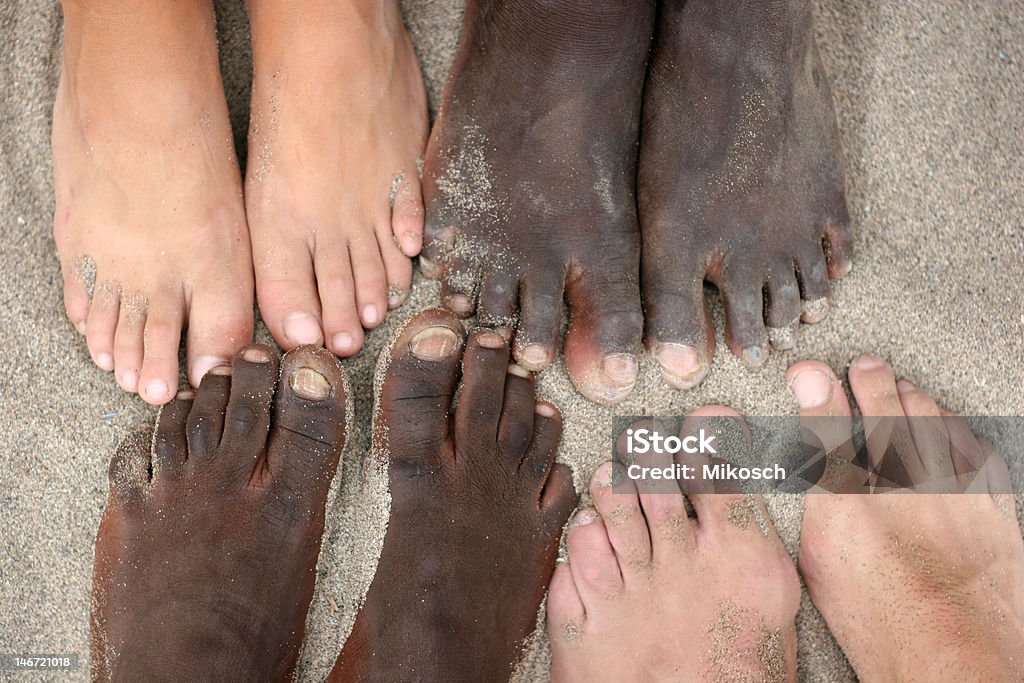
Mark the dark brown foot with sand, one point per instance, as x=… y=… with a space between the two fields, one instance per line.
x=915 y=587
x=651 y=594
x=741 y=181
x=477 y=509
x=206 y=554
x=529 y=182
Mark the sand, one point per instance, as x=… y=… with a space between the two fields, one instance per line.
x=929 y=95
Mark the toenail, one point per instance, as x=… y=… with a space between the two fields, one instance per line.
x=459 y=303
x=220 y=370
x=185 y=396
x=80 y=326
x=301 y=328
x=905 y=387
x=490 y=340
x=682 y=363
x=130 y=380
x=429 y=268
x=584 y=517
x=534 y=354
x=371 y=316
x=620 y=368
x=518 y=370
x=434 y=343
x=814 y=311
x=256 y=355
x=544 y=409
x=396 y=296
x=202 y=365
x=157 y=389
x=105 y=361
x=310 y=384
x=753 y=356
x=869 y=363
x=342 y=342
x=812 y=388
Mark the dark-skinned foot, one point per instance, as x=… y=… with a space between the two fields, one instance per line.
x=923 y=587
x=740 y=183
x=477 y=508
x=206 y=554
x=529 y=185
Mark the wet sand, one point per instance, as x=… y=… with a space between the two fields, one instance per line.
x=929 y=95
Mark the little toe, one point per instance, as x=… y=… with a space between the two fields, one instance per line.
x=128 y=342
x=783 y=315
x=206 y=420
x=565 y=611
x=616 y=500
x=102 y=324
x=559 y=498
x=247 y=415
x=219 y=324
x=76 y=295
x=484 y=367
x=540 y=317
x=679 y=332
x=370 y=280
x=595 y=568
x=407 y=213
x=158 y=379
x=604 y=335
x=813 y=284
x=515 y=430
x=343 y=330
x=287 y=294
x=308 y=432
x=744 y=320
x=170 y=444
x=129 y=469
x=547 y=433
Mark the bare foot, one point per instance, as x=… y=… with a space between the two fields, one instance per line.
x=338 y=128
x=650 y=594
x=529 y=182
x=922 y=587
x=741 y=181
x=149 y=219
x=206 y=554
x=477 y=508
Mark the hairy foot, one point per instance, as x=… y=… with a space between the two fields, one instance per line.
x=149 y=219
x=924 y=586
x=741 y=181
x=477 y=508
x=206 y=554
x=338 y=128
x=529 y=182
x=650 y=594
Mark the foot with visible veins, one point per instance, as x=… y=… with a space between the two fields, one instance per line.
x=337 y=132
x=740 y=183
x=206 y=553
x=918 y=586
x=149 y=218
x=477 y=509
x=529 y=182
x=649 y=593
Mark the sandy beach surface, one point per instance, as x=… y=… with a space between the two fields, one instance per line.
x=930 y=95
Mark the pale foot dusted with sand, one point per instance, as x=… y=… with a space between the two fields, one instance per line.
x=915 y=587
x=149 y=218
x=477 y=509
x=336 y=136
x=529 y=182
x=741 y=181
x=651 y=594
x=206 y=554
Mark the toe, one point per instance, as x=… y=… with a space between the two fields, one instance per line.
x=826 y=428
x=616 y=500
x=714 y=505
x=397 y=267
x=839 y=242
x=370 y=280
x=206 y=420
x=497 y=306
x=547 y=433
x=604 y=335
x=592 y=559
x=417 y=389
x=540 y=318
x=128 y=341
x=308 y=433
x=220 y=322
x=813 y=284
x=459 y=285
x=102 y=324
x=679 y=331
x=783 y=315
x=515 y=430
x=129 y=469
x=559 y=498
x=342 y=327
x=565 y=612
x=929 y=433
x=158 y=379
x=407 y=213
x=484 y=367
x=76 y=295
x=287 y=294
x=247 y=416
x=744 y=319
x=170 y=445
